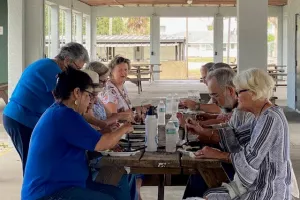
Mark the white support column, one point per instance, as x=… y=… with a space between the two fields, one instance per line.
x=93 y=34
x=218 y=38
x=54 y=31
x=68 y=24
x=79 y=27
x=155 y=44
x=252 y=34
x=25 y=37
x=280 y=38
x=88 y=33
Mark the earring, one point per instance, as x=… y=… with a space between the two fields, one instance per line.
x=76 y=102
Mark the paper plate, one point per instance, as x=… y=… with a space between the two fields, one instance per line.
x=118 y=154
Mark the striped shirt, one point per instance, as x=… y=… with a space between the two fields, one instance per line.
x=260 y=156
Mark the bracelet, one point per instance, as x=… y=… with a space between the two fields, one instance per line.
x=212 y=133
x=228 y=158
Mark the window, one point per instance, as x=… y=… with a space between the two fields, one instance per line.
x=272 y=40
x=126 y=36
x=224 y=47
x=230 y=40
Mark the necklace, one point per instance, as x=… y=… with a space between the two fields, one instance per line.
x=262 y=108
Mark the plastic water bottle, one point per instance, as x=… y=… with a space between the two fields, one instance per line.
x=169 y=105
x=175 y=103
x=161 y=113
x=171 y=137
x=175 y=120
x=151 y=139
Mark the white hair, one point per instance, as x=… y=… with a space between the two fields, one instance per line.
x=257 y=81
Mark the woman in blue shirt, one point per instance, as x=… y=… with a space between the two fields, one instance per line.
x=33 y=94
x=57 y=166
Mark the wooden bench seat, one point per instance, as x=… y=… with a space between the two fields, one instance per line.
x=3 y=92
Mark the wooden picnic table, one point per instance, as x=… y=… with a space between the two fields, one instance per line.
x=162 y=163
x=139 y=69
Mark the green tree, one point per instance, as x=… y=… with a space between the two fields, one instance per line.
x=210 y=27
x=118 y=26
x=62 y=27
x=138 y=26
x=47 y=15
x=83 y=26
x=271 y=38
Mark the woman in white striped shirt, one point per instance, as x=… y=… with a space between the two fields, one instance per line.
x=262 y=164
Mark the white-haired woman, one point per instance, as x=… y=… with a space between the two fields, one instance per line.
x=262 y=164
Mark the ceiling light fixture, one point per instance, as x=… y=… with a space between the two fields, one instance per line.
x=189 y=2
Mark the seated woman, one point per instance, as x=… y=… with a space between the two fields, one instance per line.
x=57 y=166
x=115 y=96
x=99 y=74
x=97 y=110
x=260 y=155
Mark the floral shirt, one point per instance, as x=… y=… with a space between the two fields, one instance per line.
x=111 y=94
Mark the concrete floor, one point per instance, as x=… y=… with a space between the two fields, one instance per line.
x=10 y=165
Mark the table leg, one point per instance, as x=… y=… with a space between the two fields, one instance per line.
x=213 y=177
x=139 y=79
x=161 y=187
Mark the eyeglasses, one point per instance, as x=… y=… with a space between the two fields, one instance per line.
x=103 y=81
x=76 y=66
x=90 y=94
x=241 y=91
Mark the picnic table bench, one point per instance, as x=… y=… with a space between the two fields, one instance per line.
x=3 y=94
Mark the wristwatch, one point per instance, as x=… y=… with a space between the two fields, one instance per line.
x=197 y=107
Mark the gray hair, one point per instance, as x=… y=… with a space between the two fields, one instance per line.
x=118 y=59
x=223 y=76
x=208 y=66
x=220 y=65
x=98 y=67
x=74 y=51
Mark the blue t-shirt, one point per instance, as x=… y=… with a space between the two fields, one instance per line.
x=56 y=157
x=33 y=93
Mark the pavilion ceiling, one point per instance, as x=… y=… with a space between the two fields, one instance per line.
x=171 y=2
